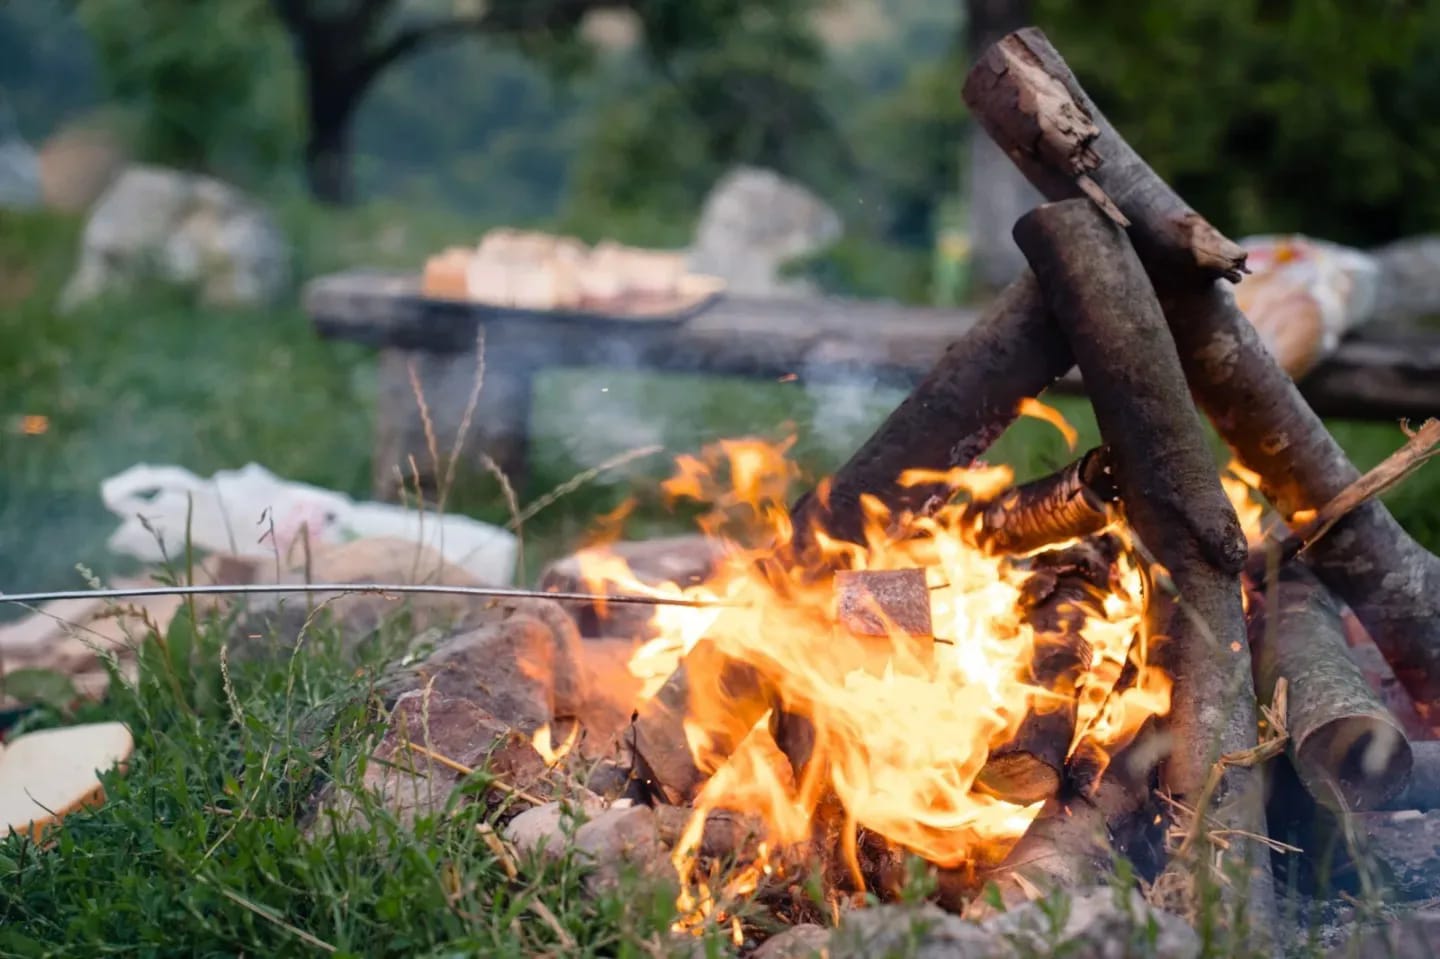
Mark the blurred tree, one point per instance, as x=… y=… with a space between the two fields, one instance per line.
x=1273 y=115
x=343 y=46
x=207 y=77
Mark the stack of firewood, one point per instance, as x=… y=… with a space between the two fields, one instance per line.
x=1133 y=286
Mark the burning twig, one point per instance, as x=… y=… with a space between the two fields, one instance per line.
x=1348 y=750
x=1071 y=504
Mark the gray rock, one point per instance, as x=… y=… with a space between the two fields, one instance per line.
x=1092 y=924
x=1401 y=849
x=753 y=222
x=411 y=784
x=541 y=830
x=507 y=666
x=19 y=175
x=623 y=839
x=1413 y=937
x=183 y=229
x=797 y=942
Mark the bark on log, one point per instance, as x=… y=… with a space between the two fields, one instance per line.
x=1062 y=593
x=1067 y=505
x=1028 y=99
x=1024 y=95
x=1098 y=293
x=949 y=419
x=1381 y=677
x=1348 y=750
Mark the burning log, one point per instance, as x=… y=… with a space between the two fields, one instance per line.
x=1063 y=591
x=1026 y=97
x=664 y=758
x=1070 y=504
x=1098 y=293
x=889 y=610
x=1348 y=750
x=949 y=419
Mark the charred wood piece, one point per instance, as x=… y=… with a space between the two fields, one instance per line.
x=1070 y=504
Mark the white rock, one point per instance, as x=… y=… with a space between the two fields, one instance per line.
x=184 y=229
x=753 y=222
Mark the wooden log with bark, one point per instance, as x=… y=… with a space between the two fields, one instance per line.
x=1347 y=749
x=951 y=417
x=1066 y=505
x=1099 y=295
x=1027 y=98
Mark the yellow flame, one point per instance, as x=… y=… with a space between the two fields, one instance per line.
x=1037 y=410
x=541 y=740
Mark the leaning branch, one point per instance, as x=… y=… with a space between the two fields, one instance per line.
x=1100 y=297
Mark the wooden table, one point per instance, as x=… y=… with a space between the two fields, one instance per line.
x=1379 y=373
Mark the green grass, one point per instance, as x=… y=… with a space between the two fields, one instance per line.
x=200 y=850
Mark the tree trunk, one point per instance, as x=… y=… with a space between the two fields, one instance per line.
x=329 y=170
x=998 y=194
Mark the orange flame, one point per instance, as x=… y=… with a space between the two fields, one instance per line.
x=901 y=727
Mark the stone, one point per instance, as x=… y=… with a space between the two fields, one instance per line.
x=1097 y=923
x=797 y=942
x=754 y=222
x=522 y=662
x=682 y=560
x=1413 y=937
x=621 y=840
x=19 y=175
x=1401 y=849
x=541 y=830
x=183 y=229
x=77 y=164
x=412 y=784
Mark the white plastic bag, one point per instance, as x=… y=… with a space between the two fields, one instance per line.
x=251 y=512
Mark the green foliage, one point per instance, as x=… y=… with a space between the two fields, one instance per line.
x=1267 y=115
x=212 y=80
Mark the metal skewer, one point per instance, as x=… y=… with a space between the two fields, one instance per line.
x=493 y=592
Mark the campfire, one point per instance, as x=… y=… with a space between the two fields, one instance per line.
x=920 y=661
x=928 y=696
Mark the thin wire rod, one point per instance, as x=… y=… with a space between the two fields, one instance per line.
x=494 y=592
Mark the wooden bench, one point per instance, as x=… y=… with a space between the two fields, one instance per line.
x=1378 y=373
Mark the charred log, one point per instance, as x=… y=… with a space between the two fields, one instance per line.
x=1029 y=101
x=1099 y=295
x=1347 y=749
x=736 y=697
x=1063 y=591
x=1070 y=504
